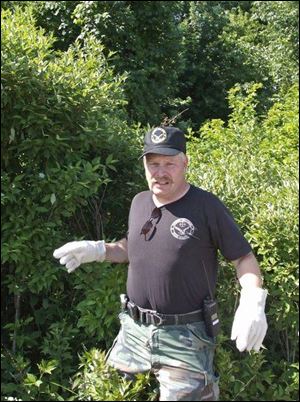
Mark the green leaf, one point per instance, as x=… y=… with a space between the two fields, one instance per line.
x=52 y=198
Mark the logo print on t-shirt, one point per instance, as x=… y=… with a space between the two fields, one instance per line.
x=182 y=229
x=158 y=135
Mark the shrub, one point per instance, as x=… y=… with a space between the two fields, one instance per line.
x=65 y=141
x=251 y=164
x=98 y=382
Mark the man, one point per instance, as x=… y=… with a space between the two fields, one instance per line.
x=169 y=319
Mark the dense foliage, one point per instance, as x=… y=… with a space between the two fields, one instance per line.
x=252 y=165
x=64 y=142
x=80 y=81
x=183 y=54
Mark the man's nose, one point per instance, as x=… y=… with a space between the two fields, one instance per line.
x=160 y=171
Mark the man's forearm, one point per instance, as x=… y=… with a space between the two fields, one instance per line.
x=248 y=271
x=117 y=252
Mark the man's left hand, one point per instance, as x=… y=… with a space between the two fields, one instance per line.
x=250 y=324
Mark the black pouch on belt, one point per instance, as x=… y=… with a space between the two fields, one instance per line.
x=133 y=311
x=211 y=318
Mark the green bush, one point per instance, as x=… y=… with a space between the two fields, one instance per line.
x=143 y=36
x=99 y=382
x=69 y=171
x=67 y=153
x=252 y=165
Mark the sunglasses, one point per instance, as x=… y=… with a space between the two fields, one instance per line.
x=156 y=214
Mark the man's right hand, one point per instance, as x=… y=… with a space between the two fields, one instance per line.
x=78 y=252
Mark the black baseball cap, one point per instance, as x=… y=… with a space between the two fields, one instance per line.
x=164 y=141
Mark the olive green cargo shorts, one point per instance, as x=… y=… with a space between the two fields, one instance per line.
x=180 y=356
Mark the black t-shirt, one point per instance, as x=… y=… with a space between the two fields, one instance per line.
x=166 y=271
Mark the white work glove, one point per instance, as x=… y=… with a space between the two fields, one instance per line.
x=78 y=252
x=250 y=324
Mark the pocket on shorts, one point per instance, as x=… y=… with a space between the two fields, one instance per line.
x=198 y=331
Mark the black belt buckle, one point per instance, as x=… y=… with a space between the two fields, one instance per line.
x=155 y=319
x=150 y=317
x=143 y=316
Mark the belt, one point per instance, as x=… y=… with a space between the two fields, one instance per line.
x=145 y=316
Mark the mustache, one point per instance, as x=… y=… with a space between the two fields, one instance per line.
x=162 y=179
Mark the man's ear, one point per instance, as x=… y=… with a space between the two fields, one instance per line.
x=186 y=164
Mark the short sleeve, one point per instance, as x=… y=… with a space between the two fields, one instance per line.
x=225 y=233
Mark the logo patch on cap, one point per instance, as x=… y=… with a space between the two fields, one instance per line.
x=158 y=135
x=182 y=228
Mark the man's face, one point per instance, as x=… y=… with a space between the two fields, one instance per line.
x=165 y=175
